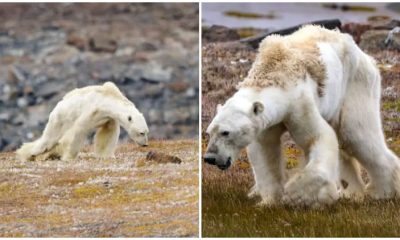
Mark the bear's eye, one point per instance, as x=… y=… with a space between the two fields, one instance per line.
x=225 y=133
x=129 y=118
x=142 y=133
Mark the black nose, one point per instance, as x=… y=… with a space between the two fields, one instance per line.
x=227 y=164
x=210 y=160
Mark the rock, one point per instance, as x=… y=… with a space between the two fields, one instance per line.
x=153 y=90
x=162 y=157
x=175 y=116
x=147 y=46
x=126 y=51
x=16 y=75
x=191 y=92
x=141 y=56
x=218 y=33
x=102 y=44
x=178 y=86
x=10 y=92
x=18 y=120
x=151 y=72
x=155 y=116
x=5 y=117
x=374 y=40
x=3 y=143
x=61 y=55
x=77 y=41
x=49 y=89
x=156 y=73
x=22 y=102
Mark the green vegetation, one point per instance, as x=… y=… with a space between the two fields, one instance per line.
x=227 y=212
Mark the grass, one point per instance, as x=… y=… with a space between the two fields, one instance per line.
x=226 y=209
x=88 y=197
x=228 y=212
x=250 y=15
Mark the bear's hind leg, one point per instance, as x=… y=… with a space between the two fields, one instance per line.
x=361 y=132
x=362 y=136
x=74 y=139
x=265 y=157
x=352 y=186
x=51 y=135
x=106 y=139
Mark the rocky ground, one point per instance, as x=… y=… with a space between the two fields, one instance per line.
x=129 y=196
x=226 y=210
x=149 y=50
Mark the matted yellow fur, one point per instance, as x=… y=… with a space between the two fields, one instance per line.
x=285 y=60
x=107 y=89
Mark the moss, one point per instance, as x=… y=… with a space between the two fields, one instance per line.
x=391 y=105
x=292 y=154
x=6 y=188
x=89 y=191
x=247 y=32
x=239 y=14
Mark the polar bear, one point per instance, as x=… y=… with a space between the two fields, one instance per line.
x=321 y=88
x=81 y=111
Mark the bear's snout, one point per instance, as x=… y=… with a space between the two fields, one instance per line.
x=210 y=158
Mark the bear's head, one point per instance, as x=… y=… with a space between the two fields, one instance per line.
x=137 y=127
x=234 y=127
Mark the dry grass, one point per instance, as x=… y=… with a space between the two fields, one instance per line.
x=228 y=212
x=102 y=198
x=226 y=209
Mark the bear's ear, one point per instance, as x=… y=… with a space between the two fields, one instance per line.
x=219 y=106
x=257 y=108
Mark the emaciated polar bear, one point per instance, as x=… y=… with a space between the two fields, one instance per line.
x=81 y=111
x=318 y=85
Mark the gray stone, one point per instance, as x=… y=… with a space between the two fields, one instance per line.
x=49 y=89
x=22 y=102
x=152 y=72
x=5 y=116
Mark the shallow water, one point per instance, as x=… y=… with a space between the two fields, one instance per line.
x=288 y=14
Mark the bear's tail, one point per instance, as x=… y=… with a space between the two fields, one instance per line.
x=24 y=152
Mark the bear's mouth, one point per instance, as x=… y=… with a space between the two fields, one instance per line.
x=226 y=165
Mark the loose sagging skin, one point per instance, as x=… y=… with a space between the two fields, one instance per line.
x=101 y=108
x=318 y=85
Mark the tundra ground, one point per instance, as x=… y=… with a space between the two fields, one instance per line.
x=89 y=197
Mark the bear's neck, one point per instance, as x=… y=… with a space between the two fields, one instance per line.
x=120 y=113
x=275 y=103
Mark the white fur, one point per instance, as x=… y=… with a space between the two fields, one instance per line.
x=348 y=112
x=81 y=111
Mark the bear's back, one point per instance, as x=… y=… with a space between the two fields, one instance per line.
x=283 y=60
x=107 y=89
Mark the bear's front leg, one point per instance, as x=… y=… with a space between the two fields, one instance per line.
x=106 y=139
x=316 y=184
x=265 y=157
